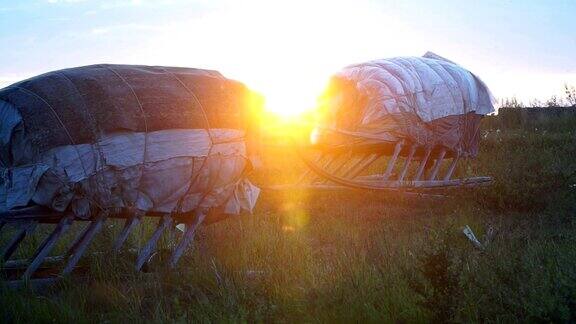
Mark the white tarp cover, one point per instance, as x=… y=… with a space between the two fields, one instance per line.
x=182 y=171
x=429 y=100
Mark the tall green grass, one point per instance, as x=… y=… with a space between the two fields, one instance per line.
x=359 y=256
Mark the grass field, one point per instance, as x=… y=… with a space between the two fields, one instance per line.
x=361 y=256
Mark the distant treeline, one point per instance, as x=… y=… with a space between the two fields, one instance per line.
x=568 y=100
x=533 y=118
x=556 y=113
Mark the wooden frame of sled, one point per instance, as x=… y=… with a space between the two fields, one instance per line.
x=41 y=268
x=393 y=166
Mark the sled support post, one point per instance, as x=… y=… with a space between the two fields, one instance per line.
x=392 y=160
x=77 y=250
x=342 y=164
x=452 y=166
x=25 y=229
x=130 y=224
x=150 y=246
x=191 y=228
x=437 y=165
x=354 y=172
x=304 y=178
x=423 y=164
x=407 y=163
x=47 y=245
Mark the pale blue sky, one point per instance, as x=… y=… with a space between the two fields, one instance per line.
x=522 y=48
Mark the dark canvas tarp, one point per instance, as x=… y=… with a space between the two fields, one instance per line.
x=79 y=105
x=155 y=138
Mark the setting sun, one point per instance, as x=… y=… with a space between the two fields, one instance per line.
x=287 y=60
x=290 y=98
x=289 y=71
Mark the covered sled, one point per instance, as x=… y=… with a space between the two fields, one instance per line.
x=399 y=123
x=118 y=141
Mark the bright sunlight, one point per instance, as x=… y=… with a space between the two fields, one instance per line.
x=287 y=59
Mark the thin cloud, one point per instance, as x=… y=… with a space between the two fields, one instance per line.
x=65 y=1
x=114 y=28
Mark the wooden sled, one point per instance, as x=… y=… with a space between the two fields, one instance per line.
x=400 y=166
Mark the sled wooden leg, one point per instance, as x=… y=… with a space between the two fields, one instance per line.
x=304 y=177
x=344 y=163
x=452 y=167
x=150 y=246
x=188 y=237
x=336 y=163
x=437 y=165
x=171 y=233
x=77 y=250
x=361 y=167
x=309 y=176
x=422 y=164
x=407 y=163
x=24 y=230
x=352 y=166
x=392 y=160
x=130 y=224
x=47 y=246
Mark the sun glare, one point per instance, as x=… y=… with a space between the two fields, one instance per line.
x=286 y=51
x=291 y=98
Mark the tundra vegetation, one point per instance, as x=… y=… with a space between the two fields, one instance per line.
x=568 y=100
x=358 y=256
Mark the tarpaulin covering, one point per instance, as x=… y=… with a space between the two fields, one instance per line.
x=427 y=100
x=154 y=138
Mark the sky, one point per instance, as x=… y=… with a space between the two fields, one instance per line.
x=288 y=49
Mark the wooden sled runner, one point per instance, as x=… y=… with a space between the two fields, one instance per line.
x=396 y=166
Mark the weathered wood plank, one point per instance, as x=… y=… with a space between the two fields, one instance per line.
x=337 y=187
x=423 y=163
x=25 y=229
x=331 y=160
x=375 y=182
x=407 y=162
x=309 y=176
x=26 y=212
x=47 y=245
x=131 y=223
x=304 y=178
x=452 y=166
x=351 y=166
x=437 y=164
x=187 y=238
x=363 y=166
x=150 y=245
x=23 y=263
x=77 y=250
x=343 y=163
x=392 y=161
